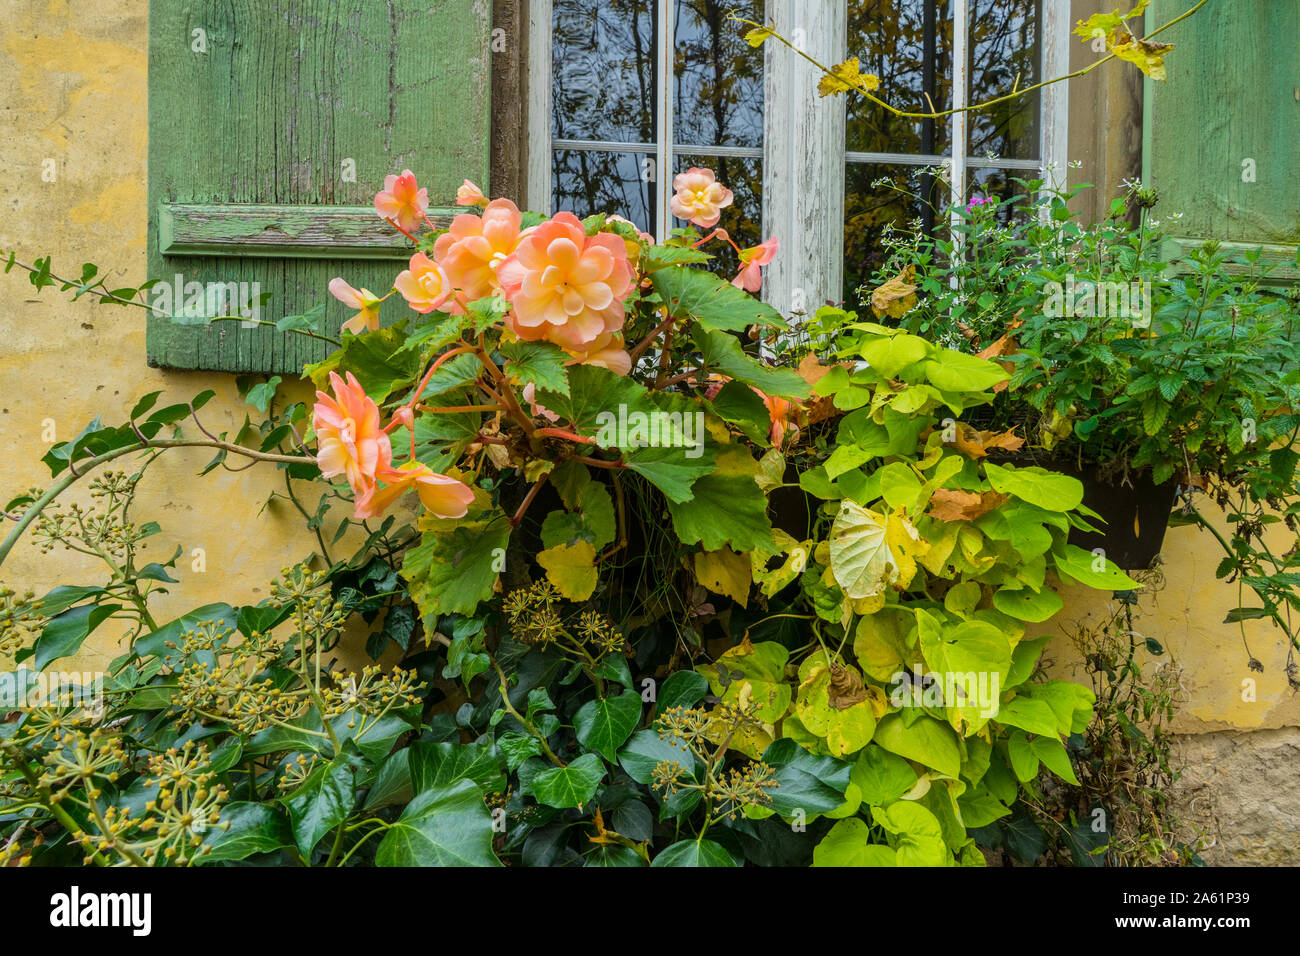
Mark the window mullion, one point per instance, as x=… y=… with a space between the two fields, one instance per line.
x=540 y=79
x=803 y=157
x=664 y=118
x=960 y=125
x=1054 y=123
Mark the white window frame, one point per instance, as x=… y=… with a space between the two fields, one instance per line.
x=803 y=150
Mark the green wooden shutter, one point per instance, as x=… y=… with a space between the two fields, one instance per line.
x=1228 y=113
x=255 y=107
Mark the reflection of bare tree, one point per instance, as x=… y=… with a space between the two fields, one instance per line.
x=1004 y=44
x=603 y=55
x=587 y=182
x=718 y=90
x=604 y=80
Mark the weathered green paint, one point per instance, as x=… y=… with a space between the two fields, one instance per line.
x=1230 y=107
x=310 y=232
x=286 y=94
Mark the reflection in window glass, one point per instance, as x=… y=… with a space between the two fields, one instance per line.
x=908 y=44
x=603 y=56
x=590 y=181
x=1004 y=45
x=718 y=88
x=1000 y=184
x=743 y=219
x=880 y=197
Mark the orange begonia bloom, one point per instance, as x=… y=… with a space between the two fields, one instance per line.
x=751 y=274
x=363 y=299
x=402 y=200
x=350 y=439
x=470 y=195
x=443 y=496
x=607 y=352
x=566 y=287
x=782 y=414
x=425 y=286
x=473 y=249
x=699 y=197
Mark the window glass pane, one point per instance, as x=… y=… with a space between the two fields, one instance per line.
x=879 y=198
x=999 y=184
x=1004 y=44
x=603 y=58
x=718 y=77
x=590 y=181
x=743 y=219
x=908 y=44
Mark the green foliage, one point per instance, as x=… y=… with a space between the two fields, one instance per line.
x=1185 y=371
x=713 y=610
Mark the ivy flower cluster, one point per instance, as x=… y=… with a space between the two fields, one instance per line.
x=706 y=735
x=20 y=619
x=100 y=531
x=535 y=617
x=227 y=680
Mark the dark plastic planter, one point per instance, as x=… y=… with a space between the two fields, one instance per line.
x=1136 y=515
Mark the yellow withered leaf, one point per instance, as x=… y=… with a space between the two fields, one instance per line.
x=847 y=76
x=1107 y=23
x=896 y=297
x=974 y=443
x=1147 y=54
x=954 y=505
x=571 y=568
x=725 y=572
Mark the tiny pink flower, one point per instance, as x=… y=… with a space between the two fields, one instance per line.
x=403 y=201
x=535 y=408
x=699 y=197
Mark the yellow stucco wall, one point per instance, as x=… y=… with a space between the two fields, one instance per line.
x=75 y=92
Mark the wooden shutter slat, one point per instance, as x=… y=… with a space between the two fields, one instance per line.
x=282 y=231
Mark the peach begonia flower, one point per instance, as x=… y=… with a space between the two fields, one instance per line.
x=607 y=352
x=782 y=415
x=363 y=299
x=472 y=250
x=402 y=200
x=535 y=408
x=751 y=274
x=442 y=496
x=566 y=287
x=699 y=197
x=425 y=286
x=350 y=440
x=470 y=195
